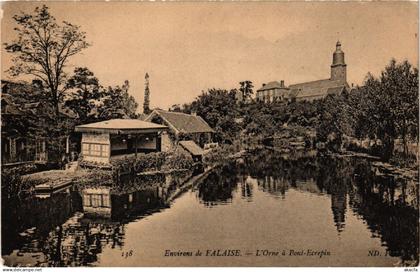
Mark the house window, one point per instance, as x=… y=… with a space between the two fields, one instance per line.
x=85 y=148
x=96 y=150
x=105 y=201
x=104 y=151
x=86 y=200
x=96 y=200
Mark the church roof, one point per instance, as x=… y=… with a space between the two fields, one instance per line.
x=335 y=90
x=316 y=88
x=182 y=122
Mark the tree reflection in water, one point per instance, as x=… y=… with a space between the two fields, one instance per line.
x=62 y=235
x=351 y=184
x=65 y=236
x=217 y=188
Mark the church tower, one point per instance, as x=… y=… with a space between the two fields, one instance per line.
x=338 y=67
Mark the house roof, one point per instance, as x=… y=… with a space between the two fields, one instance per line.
x=11 y=109
x=316 y=88
x=67 y=112
x=272 y=85
x=7 y=98
x=38 y=106
x=121 y=126
x=19 y=88
x=27 y=98
x=8 y=106
x=182 y=122
x=192 y=148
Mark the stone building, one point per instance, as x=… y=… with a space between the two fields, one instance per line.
x=273 y=91
x=311 y=90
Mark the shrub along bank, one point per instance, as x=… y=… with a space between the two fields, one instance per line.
x=152 y=162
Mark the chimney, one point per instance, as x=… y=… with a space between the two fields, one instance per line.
x=282 y=83
x=263 y=85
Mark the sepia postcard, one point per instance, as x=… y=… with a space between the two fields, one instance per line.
x=209 y=134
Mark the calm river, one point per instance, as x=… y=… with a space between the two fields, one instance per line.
x=264 y=209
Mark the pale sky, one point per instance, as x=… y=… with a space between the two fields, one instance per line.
x=190 y=47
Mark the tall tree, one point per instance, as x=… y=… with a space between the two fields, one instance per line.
x=218 y=107
x=43 y=48
x=391 y=108
x=118 y=103
x=246 y=88
x=146 y=103
x=85 y=94
x=336 y=120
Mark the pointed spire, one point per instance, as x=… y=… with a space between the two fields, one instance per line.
x=338 y=56
x=338 y=45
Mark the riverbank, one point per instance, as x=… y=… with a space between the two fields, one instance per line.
x=147 y=167
x=151 y=168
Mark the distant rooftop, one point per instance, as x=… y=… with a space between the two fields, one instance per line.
x=121 y=126
x=182 y=122
x=273 y=85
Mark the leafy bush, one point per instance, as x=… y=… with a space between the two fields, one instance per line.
x=220 y=154
x=401 y=160
x=11 y=180
x=95 y=178
x=152 y=162
x=178 y=160
x=92 y=164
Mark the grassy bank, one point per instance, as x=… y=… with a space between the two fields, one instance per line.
x=21 y=180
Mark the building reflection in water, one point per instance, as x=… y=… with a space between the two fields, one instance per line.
x=105 y=212
x=88 y=220
x=71 y=229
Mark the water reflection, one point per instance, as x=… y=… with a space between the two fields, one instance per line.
x=79 y=240
x=217 y=188
x=73 y=228
x=383 y=204
x=350 y=183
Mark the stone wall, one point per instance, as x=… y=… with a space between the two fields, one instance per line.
x=167 y=144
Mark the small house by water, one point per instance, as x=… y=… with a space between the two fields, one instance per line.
x=104 y=140
x=181 y=127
